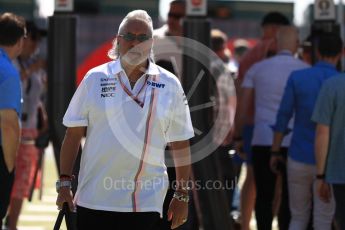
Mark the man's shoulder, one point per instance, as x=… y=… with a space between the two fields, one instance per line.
x=288 y=61
x=160 y=32
x=263 y=64
x=166 y=74
x=307 y=71
x=98 y=72
x=338 y=81
x=8 y=72
x=100 y=68
x=168 y=77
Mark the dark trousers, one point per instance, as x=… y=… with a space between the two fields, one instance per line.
x=227 y=170
x=6 y=182
x=105 y=220
x=265 y=181
x=339 y=196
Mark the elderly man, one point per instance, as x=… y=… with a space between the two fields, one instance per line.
x=12 y=34
x=130 y=110
x=265 y=81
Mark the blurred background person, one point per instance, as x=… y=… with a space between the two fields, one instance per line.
x=167 y=45
x=33 y=78
x=263 y=85
x=329 y=115
x=306 y=51
x=12 y=35
x=224 y=111
x=266 y=47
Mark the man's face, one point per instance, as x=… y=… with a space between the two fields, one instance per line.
x=135 y=42
x=19 y=47
x=29 y=47
x=175 y=15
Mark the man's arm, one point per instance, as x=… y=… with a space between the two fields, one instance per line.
x=10 y=136
x=178 y=210
x=285 y=112
x=321 y=151
x=321 y=147
x=277 y=141
x=68 y=154
x=69 y=149
x=245 y=100
x=231 y=106
x=181 y=155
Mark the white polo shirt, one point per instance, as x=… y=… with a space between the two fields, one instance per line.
x=122 y=166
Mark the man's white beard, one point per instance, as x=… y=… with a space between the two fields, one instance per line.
x=134 y=57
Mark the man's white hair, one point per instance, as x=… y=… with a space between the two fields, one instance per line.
x=137 y=15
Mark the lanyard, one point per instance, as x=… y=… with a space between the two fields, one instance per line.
x=129 y=93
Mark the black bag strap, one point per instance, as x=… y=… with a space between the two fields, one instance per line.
x=70 y=218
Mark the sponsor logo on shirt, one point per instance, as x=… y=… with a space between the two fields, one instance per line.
x=108 y=84
x=108 y=87
x=108 y=79
x=156 y=84
x=107 y=94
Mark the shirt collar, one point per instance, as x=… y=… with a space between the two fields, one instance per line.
x=115 y=68
x=325 y=65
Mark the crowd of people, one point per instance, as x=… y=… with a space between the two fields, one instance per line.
x=283 y=115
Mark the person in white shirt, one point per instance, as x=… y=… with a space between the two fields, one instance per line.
x=168 y=41
x=264 y=85
x=130 y=109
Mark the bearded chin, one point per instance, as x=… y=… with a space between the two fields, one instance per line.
x=134 y=59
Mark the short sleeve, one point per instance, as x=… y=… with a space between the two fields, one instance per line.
x=248 y=81
x=10 y=94
x=180 y=125
x=77 y=111
x=324 y=105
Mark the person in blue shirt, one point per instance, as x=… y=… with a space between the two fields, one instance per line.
x=329 y=114
x=12 y=34
x=299 y=100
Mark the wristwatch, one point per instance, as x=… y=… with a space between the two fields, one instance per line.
x=181 y=197
x=63 y=183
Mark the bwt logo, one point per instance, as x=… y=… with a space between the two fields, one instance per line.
x=155 y=84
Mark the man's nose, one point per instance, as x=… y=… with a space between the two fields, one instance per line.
x=135 y=42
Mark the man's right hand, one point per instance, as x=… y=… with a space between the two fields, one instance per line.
x=65 y=195
x=275 y=162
